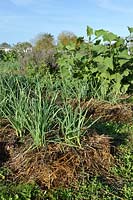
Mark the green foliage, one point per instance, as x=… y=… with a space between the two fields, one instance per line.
x=130 y=29
x=89 y=32
x=39 y=104
x=104 y=58
x=5 y=45
x=41 y=116
x=27 y=108
x=72 y=124
x=14 y=101
x=106 y=35
x=66 y=37
x=10 y=56
x=44 y=42
x=20 y=192
x=22 y=47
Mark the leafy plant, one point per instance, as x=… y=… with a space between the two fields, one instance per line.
x=15 y=104
x=40 y=119
x=103 y=59
x=73 y=124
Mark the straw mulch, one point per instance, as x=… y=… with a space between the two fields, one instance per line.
x=61 y=165
x=122 y=112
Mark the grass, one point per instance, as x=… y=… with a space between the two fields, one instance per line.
x=93 y=189
x=9 y=67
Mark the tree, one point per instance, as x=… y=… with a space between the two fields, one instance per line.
x=44 y=50
x=23 y=47
x=23 y=51
x=44 y=42
x=5 y=45
x=130 y=41
x=66 y=37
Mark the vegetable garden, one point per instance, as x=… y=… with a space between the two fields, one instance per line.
x=66 y=122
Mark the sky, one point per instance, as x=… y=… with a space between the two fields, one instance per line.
x=23 y=20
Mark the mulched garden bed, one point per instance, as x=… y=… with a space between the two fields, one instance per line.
x=60 y=165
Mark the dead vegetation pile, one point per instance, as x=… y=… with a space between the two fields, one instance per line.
x=122 y=112
x=60 y=165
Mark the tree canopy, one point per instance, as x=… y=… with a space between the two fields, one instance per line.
x=66 y=37
x=44 y=42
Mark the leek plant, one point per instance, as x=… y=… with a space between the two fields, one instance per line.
x=16 y=107
x=41 y=116
x=73 y=124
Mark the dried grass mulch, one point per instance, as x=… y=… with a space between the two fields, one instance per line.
x=60 y=165
x=121 y=112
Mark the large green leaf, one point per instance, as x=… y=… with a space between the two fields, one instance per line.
x=104 y=63
x=99 y=32
x=130 y=29
x=126 y=72
x=119 y=42
x=110 y=36
x=117 y=77
x=125 y=88
x=107 y=36
x=89 y=31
